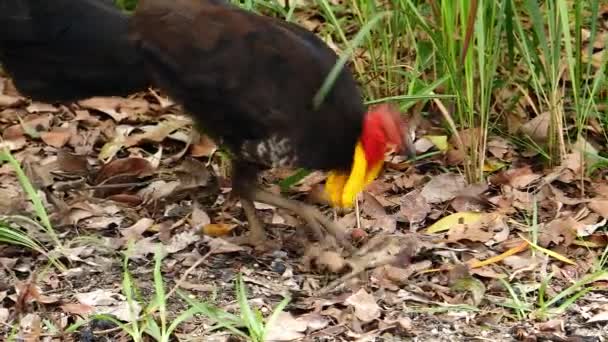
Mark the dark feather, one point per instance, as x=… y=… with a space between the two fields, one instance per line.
x=249 y=81
x=63 y=50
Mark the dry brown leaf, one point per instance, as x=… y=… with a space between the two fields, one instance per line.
x=398 y=275
x=38 y=107
x=331 y=260
x=126 y=199
x=9 y=101
x=33 y=124
x=443 y=187
x=599 y=206
x=519 y=262
x=72 y=163
x=13 y=145
x=30 y=327
x=199 y=217
x=387 y=224
x=156 y=133
x=518 y=178
x=414 y=207
x=110 y=303
x=524 y=179
x=310 y=182
x=28 y=292
x=471 y=233
x=537 y=128
x=600 y=317
x=192 y=174
x=182 y=240
x=499 y=147
x=118 y=108
x=371 y=206
x=574 y=162
x=164 y=102
x=84 y=116
x=559 y=231
x=4 y=313
x=127 y=167
x=158 y=190
x=366 y=308
x=204 y=147
x=135 y=231
x=286 y=328
x=552 y=325
x=220 y=246
x=423 y=144
x=408 y=181
x=77 y=309
x=13 y=132
x=102 y=222
x=58 y=137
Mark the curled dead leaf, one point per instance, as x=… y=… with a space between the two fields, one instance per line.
x=127 y=167
x=366 y=308
x=118 y=108
x=537 y=128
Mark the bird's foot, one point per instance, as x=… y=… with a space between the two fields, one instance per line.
x=327 y=231
x=377 y=252
x=256 y=237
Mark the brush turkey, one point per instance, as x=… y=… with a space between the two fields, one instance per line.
x=249 y=81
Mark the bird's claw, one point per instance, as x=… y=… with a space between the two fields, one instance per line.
x=328 y=232
x=379 y=251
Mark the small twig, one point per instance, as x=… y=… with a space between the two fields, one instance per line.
x=118 y=185
x=107 y=331
x=357 y=213
x=187 y=273
x=356 y=270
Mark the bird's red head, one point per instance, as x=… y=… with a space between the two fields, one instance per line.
x=383 y=127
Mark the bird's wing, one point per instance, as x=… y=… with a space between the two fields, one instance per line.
x=250 y=80
x=222 y=55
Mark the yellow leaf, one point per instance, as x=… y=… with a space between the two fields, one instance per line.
x=493 y=165
x=519 y=248
x=588 y=244
x=549 y=252
x=217 y=229
x=440 y=141
x=465 y=217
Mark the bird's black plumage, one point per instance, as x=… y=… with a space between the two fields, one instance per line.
x=249 y=81
x=62 y=50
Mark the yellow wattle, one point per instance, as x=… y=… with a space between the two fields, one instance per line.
x=334 y=186
x=342 y=189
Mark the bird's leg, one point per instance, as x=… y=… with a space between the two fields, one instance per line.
x=243 y=184
x=257 y=236
x=313 y=217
